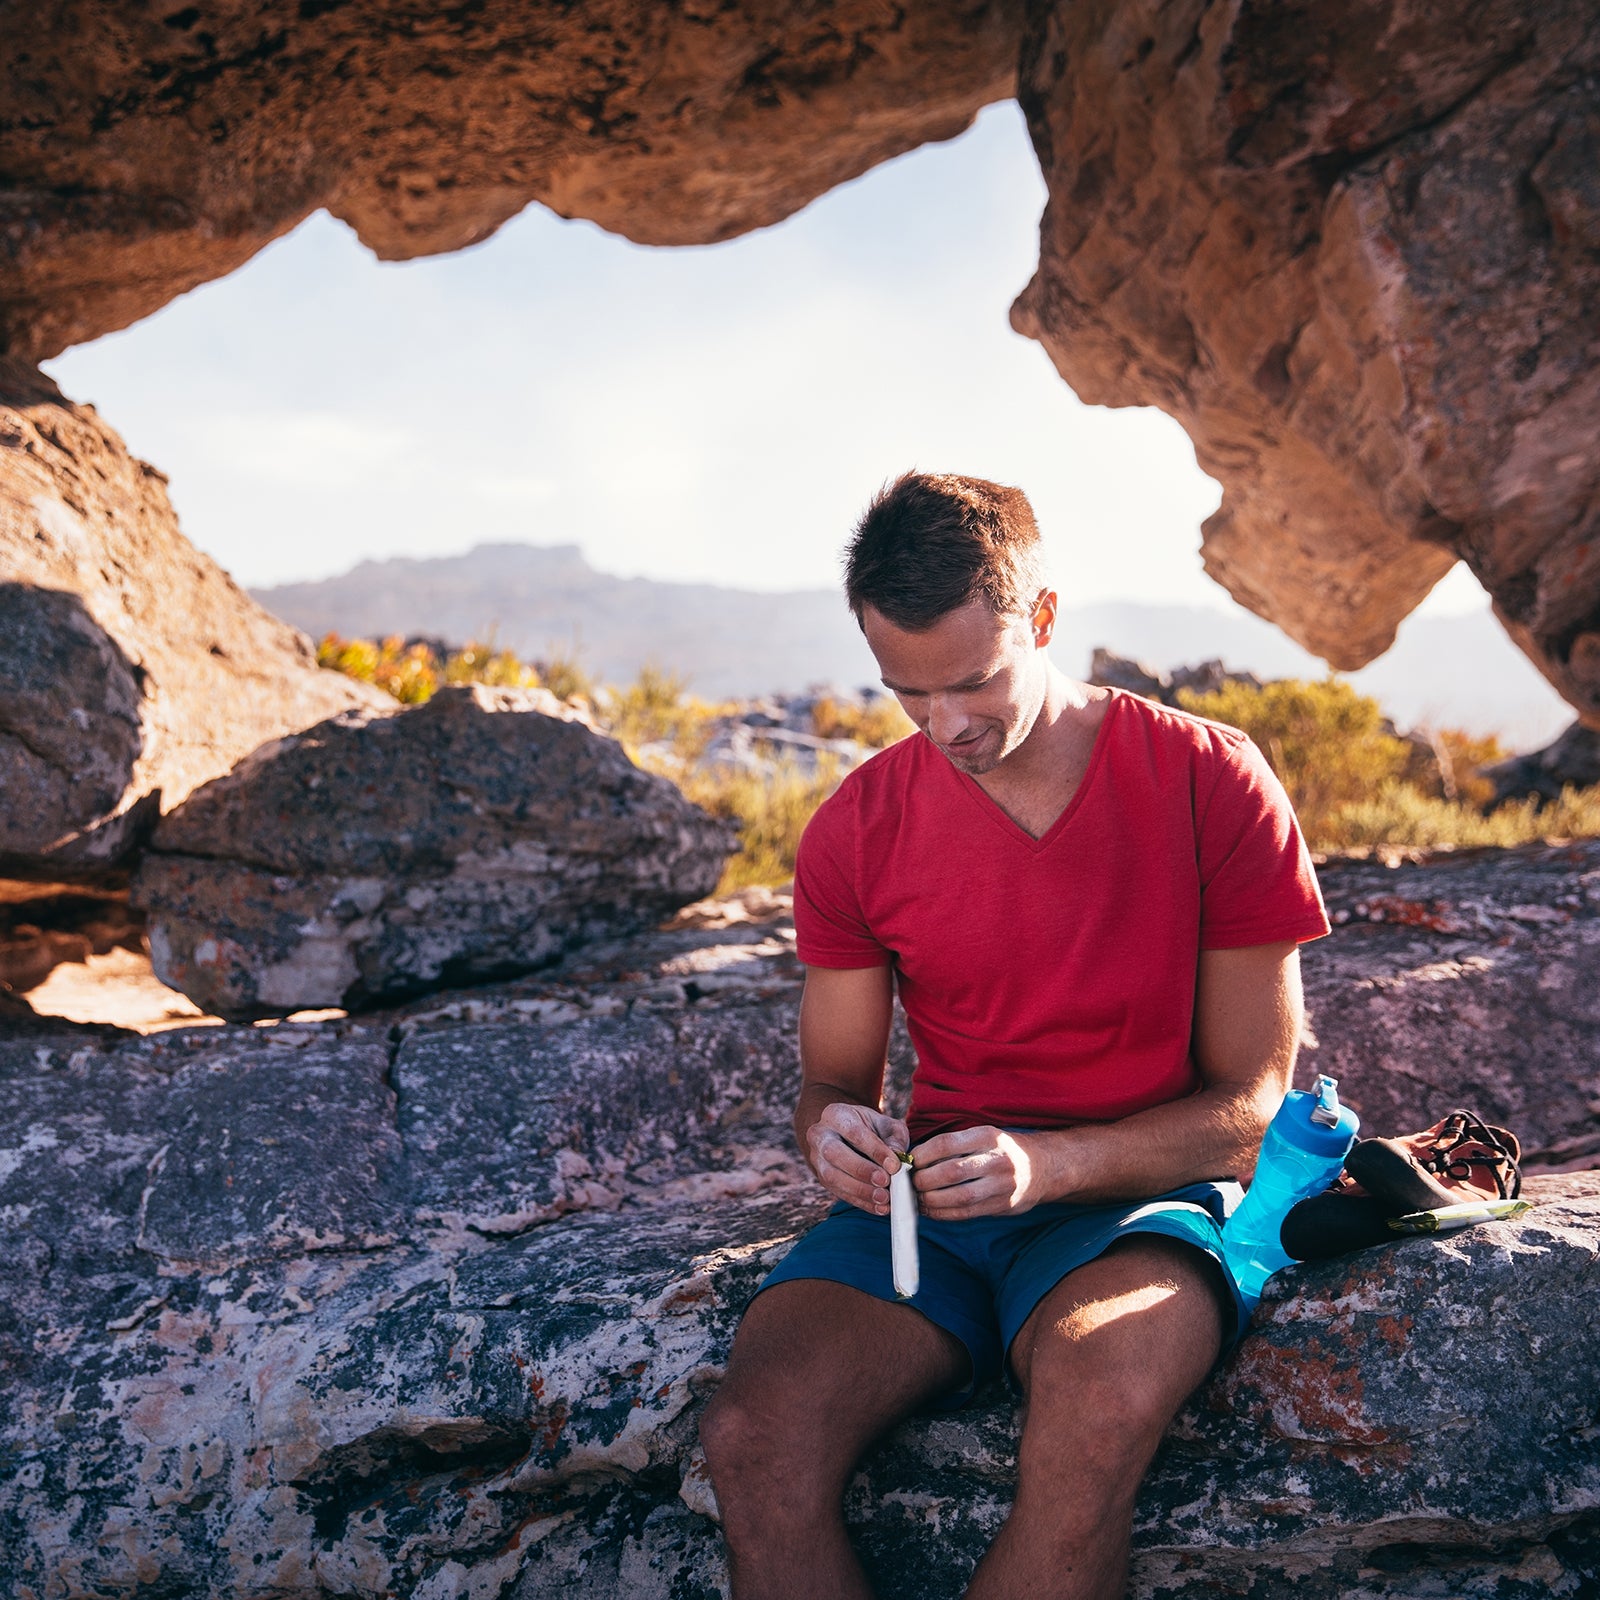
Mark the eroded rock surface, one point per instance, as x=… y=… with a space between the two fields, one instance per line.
x=425 y=1303
x=135 y=668
x=148 y=151
x=480 y=835
x=1355 y=249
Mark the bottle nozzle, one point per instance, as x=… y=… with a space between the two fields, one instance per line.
x=1327 y=1109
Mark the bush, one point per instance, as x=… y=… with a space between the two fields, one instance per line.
x=877 y=723
x=1328 y=745
x=653 y=710
x=771 y=813
x=408 y=672
x=1399 y=814
x=1354 y=784
x=480 y=663
x=566 y=679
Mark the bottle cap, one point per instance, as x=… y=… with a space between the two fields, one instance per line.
x=1316 y=1121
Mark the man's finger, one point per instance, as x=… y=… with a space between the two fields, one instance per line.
x=861 y=1128
x=839 y=1154
x=951 y=1146
x=953 y=1172
x=977 y=1199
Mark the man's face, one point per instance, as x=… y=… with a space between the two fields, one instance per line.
x=973 y=682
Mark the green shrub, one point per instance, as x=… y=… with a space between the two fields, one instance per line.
x=482 y=663
x=408 y=672
x=1327 y=744
x=1399 y=814
x=654 y=710
x=566 y=679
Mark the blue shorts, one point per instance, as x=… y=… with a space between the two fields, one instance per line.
x=981 y=1277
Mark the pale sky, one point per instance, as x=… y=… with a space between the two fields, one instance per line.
x=717 y=414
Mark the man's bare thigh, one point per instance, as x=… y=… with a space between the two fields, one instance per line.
x=810 y=1348
x=1149 y=1301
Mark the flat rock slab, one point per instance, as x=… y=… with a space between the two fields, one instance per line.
x=483 y=834
x=1465 y=980
x=276 y=1151
x=426 y=1303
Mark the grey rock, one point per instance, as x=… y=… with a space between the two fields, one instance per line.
x=415 y=1350
x=276 y=1148
x=1110 y=670
x=135 y=667
x=1467 y=979
x=766 y=749
x=477 y=836
x=1570 y=761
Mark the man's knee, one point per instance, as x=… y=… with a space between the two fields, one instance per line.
x=1111 y=1358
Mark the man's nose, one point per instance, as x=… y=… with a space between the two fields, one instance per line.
x=947 y=721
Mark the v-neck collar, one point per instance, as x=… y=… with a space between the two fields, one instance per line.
x=996 y=813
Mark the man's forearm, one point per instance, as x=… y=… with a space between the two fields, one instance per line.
x=1215 y=1133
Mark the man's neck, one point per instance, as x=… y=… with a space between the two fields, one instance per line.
x=1036 y=782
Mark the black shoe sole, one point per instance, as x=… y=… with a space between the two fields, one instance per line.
x=1333 y=1224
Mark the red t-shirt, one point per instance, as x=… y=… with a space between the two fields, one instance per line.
x=1052 y=981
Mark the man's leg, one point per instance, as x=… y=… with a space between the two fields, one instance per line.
x=1105 y=1361
x=818 y=1371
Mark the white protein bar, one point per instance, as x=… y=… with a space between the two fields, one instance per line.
x=903 y=1231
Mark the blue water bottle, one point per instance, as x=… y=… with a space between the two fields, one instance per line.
x=1304 y=1148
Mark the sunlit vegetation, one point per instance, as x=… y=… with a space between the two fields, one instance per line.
x=874 y=723
x=771 y=811
x=654 y=717
x=413 y=670
x=1354 y=782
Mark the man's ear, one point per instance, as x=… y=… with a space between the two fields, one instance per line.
x=1043 y=620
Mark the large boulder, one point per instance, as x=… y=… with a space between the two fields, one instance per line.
x=426 y=1303
x=135 y=668
x=1572 y=761
x=480 y=835
x=1354 y=248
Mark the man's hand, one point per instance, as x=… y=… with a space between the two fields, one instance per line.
x=854 y=1151
x=978 y=1172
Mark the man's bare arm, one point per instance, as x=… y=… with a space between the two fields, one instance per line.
x=1248 y=1014
x=852 y=1146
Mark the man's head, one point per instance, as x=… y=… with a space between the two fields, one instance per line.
x=932 y=542
x=945 y=577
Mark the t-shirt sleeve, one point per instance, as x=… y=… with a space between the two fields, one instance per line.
x=830 y=927
x=1257 y=883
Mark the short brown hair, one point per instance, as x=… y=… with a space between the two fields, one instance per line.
x=930 y=543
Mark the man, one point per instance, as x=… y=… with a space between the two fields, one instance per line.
x=1090 y=906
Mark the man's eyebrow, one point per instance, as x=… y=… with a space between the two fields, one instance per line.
x=976 y=681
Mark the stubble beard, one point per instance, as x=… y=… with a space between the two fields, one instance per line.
x=986 y=754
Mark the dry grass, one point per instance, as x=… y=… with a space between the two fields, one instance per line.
x=771 y=812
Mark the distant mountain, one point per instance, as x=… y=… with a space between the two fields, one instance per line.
x=543 y=600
